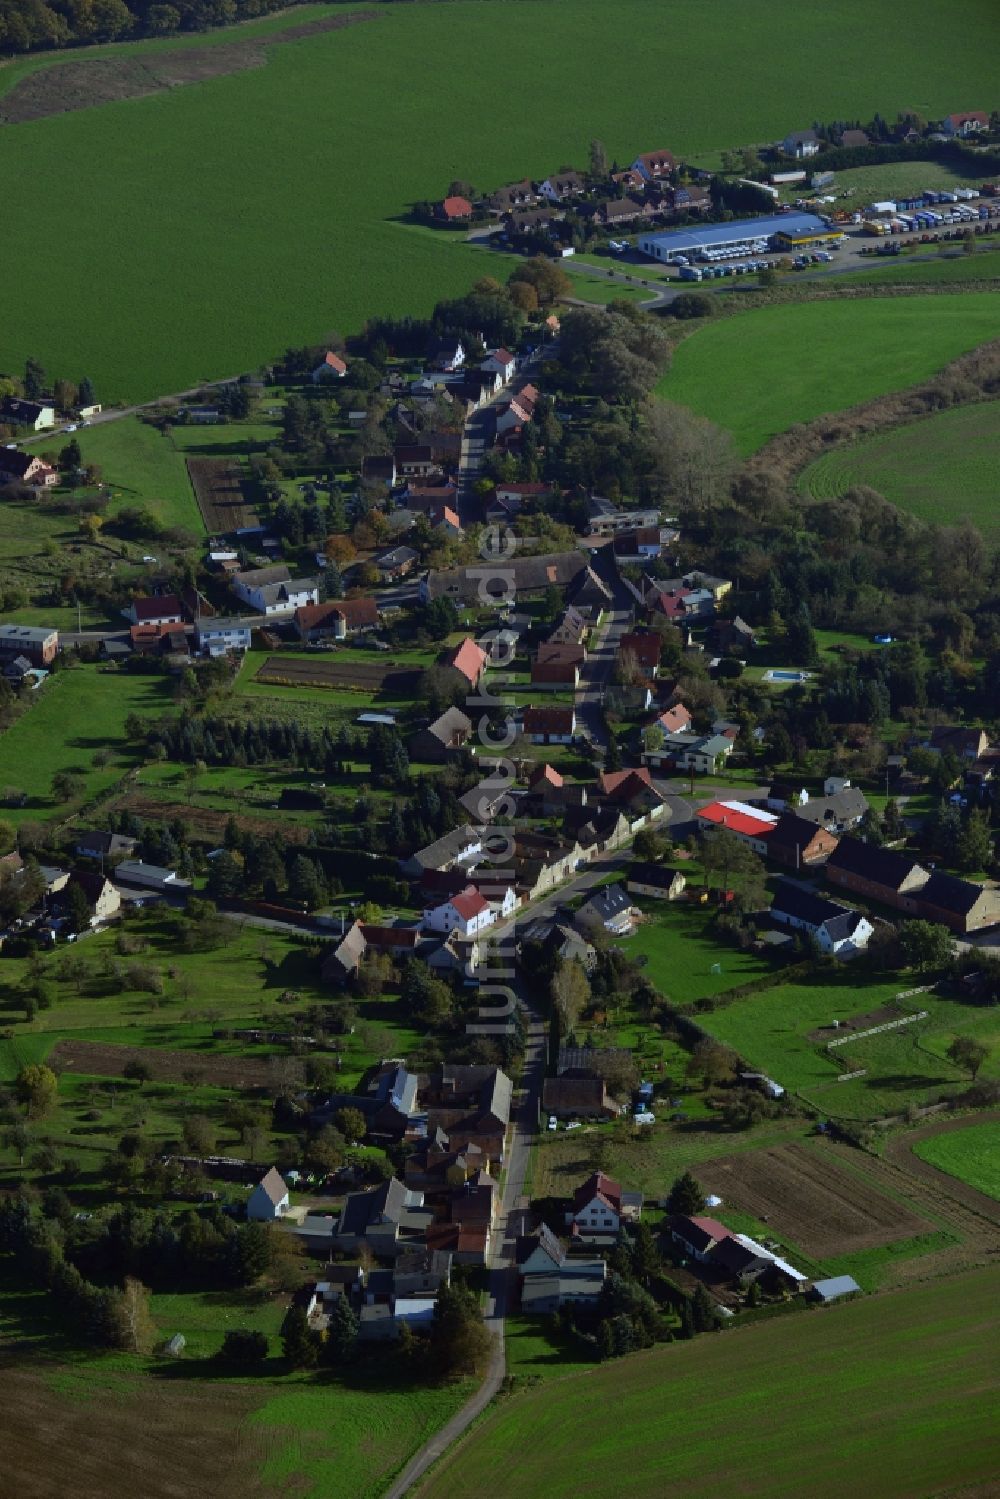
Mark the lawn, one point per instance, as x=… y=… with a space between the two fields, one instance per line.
x=972 y=1154
x=942 y=469
x=758 y=373
x=258 y=273
x=77 y=713
x=341 y=1441
x=143 y=468
x=684 y=959
x=894 y=179
x=890 y=1398
x=951 y=267
x=590 y=289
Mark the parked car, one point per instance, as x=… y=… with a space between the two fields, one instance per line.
x=553 y=1122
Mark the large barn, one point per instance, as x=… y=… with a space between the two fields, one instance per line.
x=782 y=231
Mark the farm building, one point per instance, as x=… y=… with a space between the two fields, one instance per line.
x=775 y=232
x=836 y=927
x=837 y=1285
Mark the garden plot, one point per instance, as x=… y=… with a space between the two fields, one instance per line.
x=349 y=674
x=97 y=1059
x=810 y=1201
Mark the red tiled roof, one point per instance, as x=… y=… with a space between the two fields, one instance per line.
x=711 y=1226
x=157 y=607
x=355 y=612
x=469 y=659
x=600 y=1186
x=549 y=720
x=469 y=903
x=456 y=208
x=671 y=602
x=752 y=825
x=444 y=515
x=548 y=775
x=645 y=648
x=675 y=718
x=334 y=362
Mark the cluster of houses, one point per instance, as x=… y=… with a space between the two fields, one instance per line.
x=647 y=188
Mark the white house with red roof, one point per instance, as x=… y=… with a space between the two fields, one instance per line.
x=675 y=720
x=468 y=913
x=158 y=609
x=699 y=1236
x=500 y=362
x=973 y=122
x=332 y=367
x=600 y=1207
x=454 y=209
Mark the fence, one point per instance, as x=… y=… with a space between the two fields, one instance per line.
x=890 y=1025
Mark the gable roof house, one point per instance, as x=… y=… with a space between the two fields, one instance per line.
x=335 y=620
x=836 y=928
x=330 y=367
x=469 y=660
x=562 y=185
x=104 y=845
x=609 y=908
x=797 y=842
x=514 y=195
x=600 y=1207
x=440 y=740
x=878 y=874
x=606 y=519
x=656 y=882
x=654 y=166
x=578 y=1098
x=389 y=1219
x=644 y=647
x=273 y=590
x=633 y=790
x=699 y=1236
x=851 y=138
x=972 y=122
x=457 y=847
x=21 y=413
x=102 y=897
x=686 y=751
x=26 y=468
x=269 y=1198
x=556 y=665
x=522 y=577
x=960 y=905
x=548 y=725
x=468 y=913
x=800 y=144
x=471 y=1105
x=454 y=209
x=570 y=628
x=156 y=609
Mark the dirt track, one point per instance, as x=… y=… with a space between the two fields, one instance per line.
x=77 y=84
x=900 y=1151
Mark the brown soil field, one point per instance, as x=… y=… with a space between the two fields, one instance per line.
x=218 y=488
x=79 y=84
x=155 y=1438
x=811 y=1201
x=354 y=674
x=207 y=822
x=96 y=1058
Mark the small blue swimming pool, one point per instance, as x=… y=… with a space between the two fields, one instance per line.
x=779 y=675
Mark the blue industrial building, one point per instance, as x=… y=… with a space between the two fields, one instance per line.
x=782 y=231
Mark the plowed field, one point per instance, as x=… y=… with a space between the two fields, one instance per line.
x=811 y=1201
x=99 y=1059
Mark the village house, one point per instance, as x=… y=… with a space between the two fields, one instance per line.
x=557 y=666
x=675 y=720
x=605 y=518
x=523 y=577
x=104 y=846
x=501 y=362
x=644 y=650
x=26 y=468
x=454 y=210
x=443 y=519
x=578 y=1098
x=330 y=367
x=21 y=413
x=388 y=1102
x=960 y=905
x=415 y=461
x=158 y=609
x=798 y=843
x=562 y=185
x=654 y=166
x=335 y=620
x=448 y=355
x=269 y=1198
x=697 y=1236
x=836 y=928
x=395 y=563
x=801 y=144
x=467 y=913
x=655 y=881
x=37 y=643
x=471 y=1104
x=442 y=739
x=549 y=1277
x=221 y=637
x=600 y=1209
x=388 y=1219
x=641 y=545
x=608 y=908
x=557 y=940
x=961 y=126
x=703 y=753
x=457 y=847
x=104 y=900
x=633 y=791
x=380 y=469
x=548 y=725
x=273 y=590
x=469 y=660
x=515 y=195
x=879 y=874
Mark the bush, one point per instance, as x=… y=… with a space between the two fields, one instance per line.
x=244 y=1348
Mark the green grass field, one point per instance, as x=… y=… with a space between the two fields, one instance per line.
x=895 y=179
x=761 y=372
x=142 y=467
x=261 y=270
x=942 y=469
x=890 y=1398
x=78 y=712
x=972 y=1154
x=771 y=1030
x=683 y=955
x=951 y=267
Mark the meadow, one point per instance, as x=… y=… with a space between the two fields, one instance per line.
x=894 y=179
x=942 y=469
x=78 y=714
x=772 y=1030
x=971 y=1154
x=294 y=223
x=142 y=467
x=758 y=373
x=684 y=959
x=888 y=1397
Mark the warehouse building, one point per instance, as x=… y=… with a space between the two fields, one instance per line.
x=785 y=231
